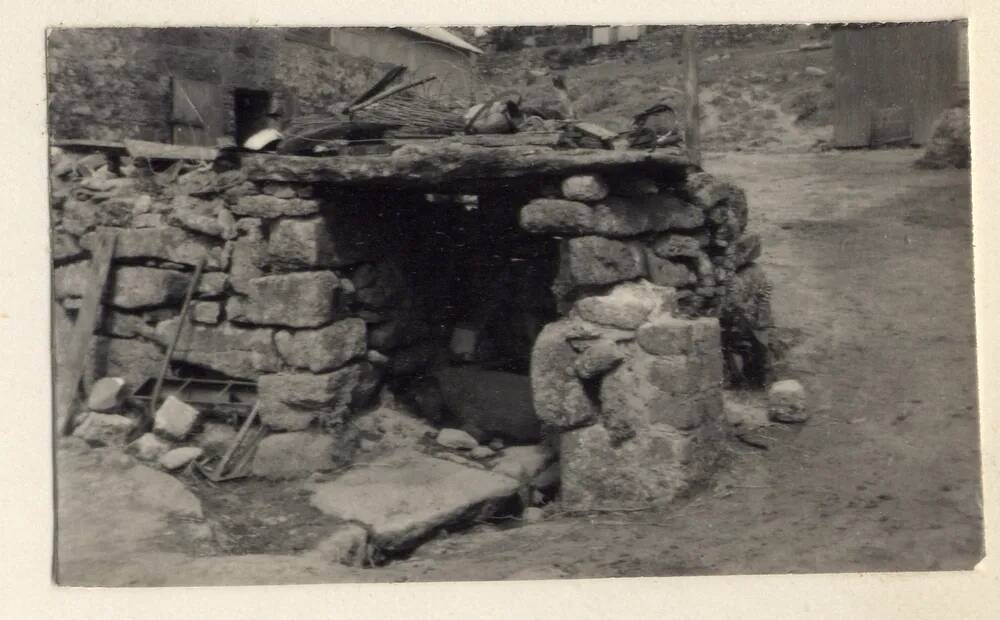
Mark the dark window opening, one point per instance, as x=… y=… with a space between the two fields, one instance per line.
x=252 y=112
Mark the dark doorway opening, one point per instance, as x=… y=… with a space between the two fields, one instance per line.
x=252 y=112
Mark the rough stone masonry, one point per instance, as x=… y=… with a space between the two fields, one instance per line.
x=327 y=278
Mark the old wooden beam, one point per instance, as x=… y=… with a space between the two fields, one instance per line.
x=86 y=322
x=156 y=150
x=443 y=162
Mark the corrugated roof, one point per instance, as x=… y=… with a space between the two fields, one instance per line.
x=443 y=35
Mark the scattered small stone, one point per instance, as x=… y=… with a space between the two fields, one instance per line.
x=106 y=394
x=175 y=418
x=814 y=71
x=787 y=402
x=149 y=447
x=532 y=515
x=179 y=457
x=496 y=444
x=103 y=429
x=456 y=439
x=481 y=452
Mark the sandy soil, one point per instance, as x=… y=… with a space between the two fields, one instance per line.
x=872 y=266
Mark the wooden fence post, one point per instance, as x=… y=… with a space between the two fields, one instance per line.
x=692 y=137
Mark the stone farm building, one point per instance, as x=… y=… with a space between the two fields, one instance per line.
x=195 y=85
x=579 y=304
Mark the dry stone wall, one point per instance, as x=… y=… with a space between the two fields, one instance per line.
x=618 y=294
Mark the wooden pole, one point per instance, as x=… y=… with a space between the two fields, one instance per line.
x=692 y=137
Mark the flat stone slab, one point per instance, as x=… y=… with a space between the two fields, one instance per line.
x=404 y=497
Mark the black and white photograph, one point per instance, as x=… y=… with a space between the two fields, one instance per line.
x=511 y=302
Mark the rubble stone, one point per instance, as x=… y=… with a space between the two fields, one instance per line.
x=175 y=419
x=212 y=284
x=179 y=457
x=105 y=394
x=674 y=245
x=523 y=463
x=559 y=397
x=556 y=216
x=324 y=349
x=169 y=244
x=134 y=360
x=598 y=472
x=665 y=272
x=65 y=248
x=292 y=402
x=284 y=456
x=234 y=351
x=597 y=360
x=297 y=300
x=71 y=280
x=142 y=287
x=247 y=260
x=787 y=402
x=596 y=260
x=585 y=187
x=207 y=312
x=303 y=243
x=104 y=429
x=265 y=207
x=627 y=305
x=149 y=447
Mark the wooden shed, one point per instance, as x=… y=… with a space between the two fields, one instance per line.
x=892 y=81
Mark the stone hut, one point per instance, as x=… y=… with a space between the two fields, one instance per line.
x=590 y=282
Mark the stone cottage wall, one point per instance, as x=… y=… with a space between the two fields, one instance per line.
x=114 y=83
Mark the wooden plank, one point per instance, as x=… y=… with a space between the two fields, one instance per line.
x=528 y=138
x=112 y=148
x=443 y=162
x=692 y=134
x=86 y=322
x=158 y=150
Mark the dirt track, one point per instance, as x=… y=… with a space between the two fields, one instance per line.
x=871 y=262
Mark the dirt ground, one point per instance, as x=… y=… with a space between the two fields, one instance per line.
x=871 y=262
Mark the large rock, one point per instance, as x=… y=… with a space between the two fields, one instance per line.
x=404 y=498
x=560 y=399
x=556 y=216
x=598 y=472
x=105 y=429
x=169 y=244
x=490 y=403
x=389 y=430
x=585 y=187
x=620 y=217
x=644 y=389
x=231 y=350
x=627 y=305
x=265 y=207
x=296 y=300
x=142 y=287
x=596 y=260
x=297 y=243
x=175 y=419
x=247 y=262
x=292 y=402
x=325 y=349
x=284 y=456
